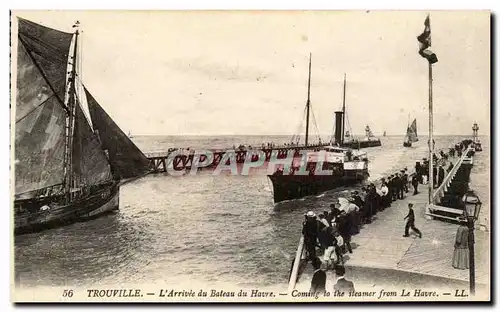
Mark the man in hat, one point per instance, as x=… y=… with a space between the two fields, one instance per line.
x=357 y=199
x=310 y=231
x=352 y=212
x=358 y=214
x=405 y=179
x=425 y=171
x=393 y=186
x=414 y=182
x=419 y=171
x=410 y=223
x=399 y=185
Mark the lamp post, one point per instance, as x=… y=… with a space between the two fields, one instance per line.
x=472 y=209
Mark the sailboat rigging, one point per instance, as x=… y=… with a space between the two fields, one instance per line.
x=65 y=170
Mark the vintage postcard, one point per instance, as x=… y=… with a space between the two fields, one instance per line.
x=250 y=156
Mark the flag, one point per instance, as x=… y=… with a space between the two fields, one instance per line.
x=425 y=43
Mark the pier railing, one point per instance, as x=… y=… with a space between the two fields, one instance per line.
x=296 y=265
x=186 y=151
x=440 y=191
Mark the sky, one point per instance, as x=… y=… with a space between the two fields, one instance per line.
x=245 y=72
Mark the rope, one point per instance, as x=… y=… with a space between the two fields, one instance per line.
x=296 y=136
x=349 y=127
x=36 y=107
x=315 y=126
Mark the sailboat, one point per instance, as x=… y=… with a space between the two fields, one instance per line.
x=347 y=139
x=411 y=134
x=348 y=167
x=129 y=134
x=347 y=136
x=68 y=166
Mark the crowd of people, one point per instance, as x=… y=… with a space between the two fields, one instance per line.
x=329 y=233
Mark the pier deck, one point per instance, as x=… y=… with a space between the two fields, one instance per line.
x=382 y=256
x=381 y=244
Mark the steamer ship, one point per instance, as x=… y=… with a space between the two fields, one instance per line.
x=303 y=177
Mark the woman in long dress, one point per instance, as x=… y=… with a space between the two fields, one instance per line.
x=461 y=253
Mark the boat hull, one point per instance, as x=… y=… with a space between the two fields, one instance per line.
x=287 y=187
x=362 y=144
x=97 y=203
x=407 y=144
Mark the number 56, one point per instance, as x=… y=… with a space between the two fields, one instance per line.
x=68 y=293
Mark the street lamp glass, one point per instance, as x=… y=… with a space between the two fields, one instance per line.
x=472 y=204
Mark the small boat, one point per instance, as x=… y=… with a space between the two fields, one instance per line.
x=411 y=134
x=68 y=166
x=129 y=135
x=346 y=166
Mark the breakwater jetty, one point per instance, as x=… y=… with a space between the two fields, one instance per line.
x=180 y=159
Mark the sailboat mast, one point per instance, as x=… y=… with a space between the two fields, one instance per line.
x=72 y=107
x=308 y=104
x=343 y=112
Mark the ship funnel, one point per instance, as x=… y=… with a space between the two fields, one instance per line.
x=338 y=127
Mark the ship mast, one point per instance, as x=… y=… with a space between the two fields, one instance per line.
x=71 y=120
x=308 y=104
x=343 y=112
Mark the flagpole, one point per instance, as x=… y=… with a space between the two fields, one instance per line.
x=431 y=139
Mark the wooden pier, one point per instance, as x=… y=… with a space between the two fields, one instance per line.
x=183 y=159
x=456 y=179
x=383 y=258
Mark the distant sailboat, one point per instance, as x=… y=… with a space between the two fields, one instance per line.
x=347 y=139
x=347 y=136
x=411 y=134
x=130 y=134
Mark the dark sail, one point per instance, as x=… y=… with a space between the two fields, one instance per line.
x=414 y=130
x=411 y=132
x=40 y=114
x=50 y=49
x=90 y=164
x=126 y=160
